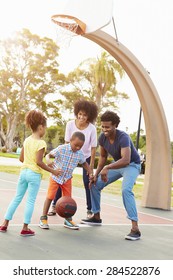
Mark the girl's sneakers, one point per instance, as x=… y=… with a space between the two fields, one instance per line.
x=3 y=229
x=28 y=232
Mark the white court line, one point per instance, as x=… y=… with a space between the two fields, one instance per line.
x=8 y=181
x=103 y=225
x=43 y=190
x=155 y=216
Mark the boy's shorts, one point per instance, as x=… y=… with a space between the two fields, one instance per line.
x=53 y=187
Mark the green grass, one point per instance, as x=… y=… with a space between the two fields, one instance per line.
x=9 y=155
x=114 y=188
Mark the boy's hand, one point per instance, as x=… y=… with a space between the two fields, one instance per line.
x=57 y=172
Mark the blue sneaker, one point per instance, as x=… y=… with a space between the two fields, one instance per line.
x=68 y=223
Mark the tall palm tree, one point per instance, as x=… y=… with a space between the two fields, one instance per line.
x=95 y=79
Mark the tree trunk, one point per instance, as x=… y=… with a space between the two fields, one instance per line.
x=11 y=128
x=98 y=99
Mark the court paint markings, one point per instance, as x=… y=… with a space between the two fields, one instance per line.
x=97 y=226
x=43 y=190
x=122 y=208
x=11 y=182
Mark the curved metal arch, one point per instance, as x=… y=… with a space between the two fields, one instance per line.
x=157 y=183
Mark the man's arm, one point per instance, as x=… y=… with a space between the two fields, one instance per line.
x=122 y=162
x=102 y=160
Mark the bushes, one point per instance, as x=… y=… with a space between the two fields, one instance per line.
x=109 y=160
x=3 y=150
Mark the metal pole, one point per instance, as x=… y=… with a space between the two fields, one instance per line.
x=139 y=128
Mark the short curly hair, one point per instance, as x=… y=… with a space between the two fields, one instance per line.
x=35 y=118
x=89 y=107
x=110 y=116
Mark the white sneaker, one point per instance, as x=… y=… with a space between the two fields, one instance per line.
x=43 y=222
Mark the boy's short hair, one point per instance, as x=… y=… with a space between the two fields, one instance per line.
x=78 y=134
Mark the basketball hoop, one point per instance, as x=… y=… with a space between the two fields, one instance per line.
x=66 y=28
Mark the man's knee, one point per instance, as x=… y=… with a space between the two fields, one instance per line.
x=99 y=185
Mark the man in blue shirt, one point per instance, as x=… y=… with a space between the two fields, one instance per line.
x=126 y=164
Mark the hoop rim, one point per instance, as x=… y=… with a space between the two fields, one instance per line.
x=81 y=28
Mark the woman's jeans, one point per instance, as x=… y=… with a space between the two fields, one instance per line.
x=28 y=180
x=86 y=185
x=129 y=174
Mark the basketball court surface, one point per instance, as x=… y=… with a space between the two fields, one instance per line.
x=104 y=242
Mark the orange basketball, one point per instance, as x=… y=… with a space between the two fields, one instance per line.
x=66 y=207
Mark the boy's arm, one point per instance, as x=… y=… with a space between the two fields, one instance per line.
x=87 y=167
x=40 y=163
x=48 y=158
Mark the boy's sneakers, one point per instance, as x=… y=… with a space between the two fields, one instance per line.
x=52 y=212
x=92 y=221
x=3 y=229
x=28 y=232
x=68 y=223
x=133 y=235
x=43 y=222
x=89 y=214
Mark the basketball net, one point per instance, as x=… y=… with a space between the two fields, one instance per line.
x=64 y=36
x=66 y=28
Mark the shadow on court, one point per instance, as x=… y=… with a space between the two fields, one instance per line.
x=104 y=242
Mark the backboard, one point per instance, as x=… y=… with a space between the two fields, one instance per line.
x=95 y=14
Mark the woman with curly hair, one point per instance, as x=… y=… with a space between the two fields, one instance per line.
x=86 y=113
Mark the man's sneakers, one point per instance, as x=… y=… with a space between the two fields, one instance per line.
x=133 y=235
x=43 y=222
x=3 y=229
x=92 y=221
x=68 y=223
x=27 y=232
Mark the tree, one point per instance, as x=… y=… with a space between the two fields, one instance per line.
x=95 y=79
x=28 y=73
x=142 y=140
x=55 y=135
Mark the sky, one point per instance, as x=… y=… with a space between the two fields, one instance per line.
x=143 y=26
